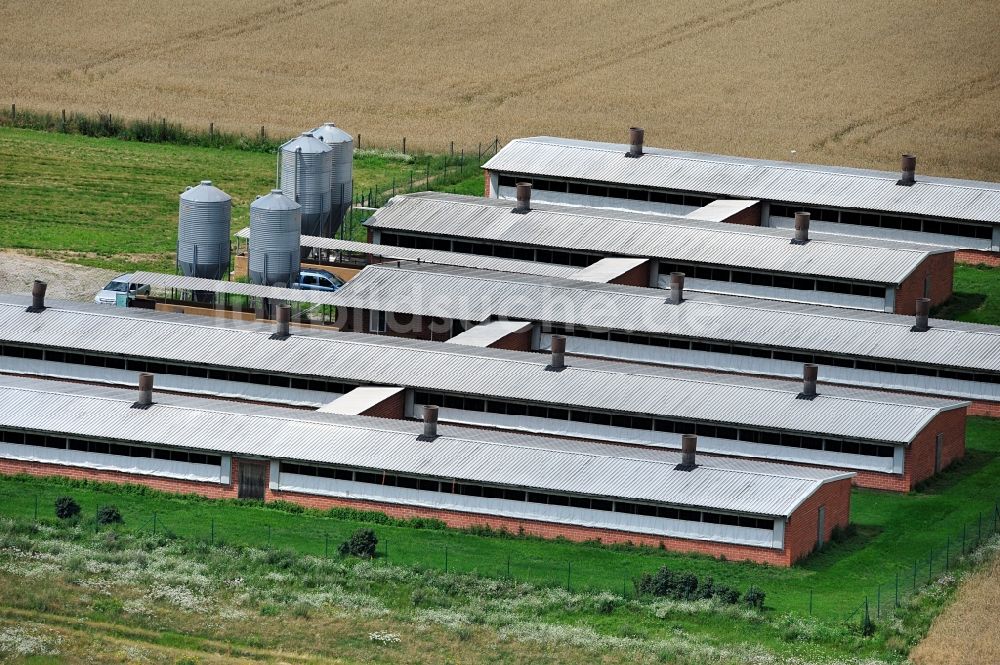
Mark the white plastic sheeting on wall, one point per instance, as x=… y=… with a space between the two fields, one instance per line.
x=565 y=198
x=775 y=293
x=536 y=511
x=147 y=466
x=729 y=362
x=174 y=382
x=884 y=233
x=671 y=440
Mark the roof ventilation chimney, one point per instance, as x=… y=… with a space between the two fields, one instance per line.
x=281 y=330
x=37 y=296
x=676 y=288
x=689 y=447
x=908 y=166
x=810 y=373
x=923 y=315
x=523 y=198
x=635 y=136
x=558 y=362
x=801 y=228
x=145 y=392
x=430 y=423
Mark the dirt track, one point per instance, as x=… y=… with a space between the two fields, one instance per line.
x=65 y=280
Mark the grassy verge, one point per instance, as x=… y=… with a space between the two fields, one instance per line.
x=976 y=296
x=894 y=534
x=113 y=204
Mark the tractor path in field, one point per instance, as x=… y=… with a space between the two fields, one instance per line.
x=65 y=280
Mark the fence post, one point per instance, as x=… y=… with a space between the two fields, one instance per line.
x=508 y=565
x=359 y=141
x=878 y=602
x=480 y=151
x=624 y=577
x=914 y=577
x=262 y=134
x=930 y=566
x=213 y=530
x=964 y=529
x=36 y=507
x=386 y=548
x=211 y=129
x=326 y=545
x=268 y=535
x=569 y=572
x=97 y=509
x=461 y=163
x=154 y=522
x=810 y=602
x=427 y=179
x=897 y=588
x=979 y=532
x=64 y=120
x=446 y=558
x=947 y=553
x=13 y=111
x=452 y=149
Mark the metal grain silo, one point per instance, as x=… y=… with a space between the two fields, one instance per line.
x=203 y=231
x=306 y=167
x=275 y=230
x=341 y=186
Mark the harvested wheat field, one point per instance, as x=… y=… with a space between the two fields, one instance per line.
x=968 y=632
x=851 y=82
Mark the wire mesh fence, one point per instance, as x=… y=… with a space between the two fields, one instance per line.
x=510 y=557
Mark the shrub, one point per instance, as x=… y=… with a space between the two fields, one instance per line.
x=67 y=507
x=362 y=543
x=685 y=586
x=109 y=515
x=754 y=597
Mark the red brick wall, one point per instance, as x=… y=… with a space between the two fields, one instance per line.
x=941 y=268
x=919 y=464
x=486 y=183
x=802 y=526
x=519 y=341
x=394 y=407
x=976 y=257
x=747 y=217
x=981 y=408
x=637 y=276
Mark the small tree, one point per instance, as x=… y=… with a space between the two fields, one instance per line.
x=109 y=515
x=754 y=598
x=362 y=543
x=67 y=507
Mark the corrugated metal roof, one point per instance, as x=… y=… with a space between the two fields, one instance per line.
x=384 y=360
x=635 y=234
x=435 y=256
x=234 y=288
x=809 y=184
x=461 y=453
x=468 y=294
x=489 y=332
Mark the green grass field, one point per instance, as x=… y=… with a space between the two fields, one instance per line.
x=894 y=532
x=113 y=204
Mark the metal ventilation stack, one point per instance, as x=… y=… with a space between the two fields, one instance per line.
x=203 y=231
x=306 y=168
x=275 y=230
x=342 y=184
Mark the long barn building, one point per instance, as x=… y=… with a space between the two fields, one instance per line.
x=723 y=333
x=892 y=441
x=716 y=257
x=963 y=214
x=742 y=510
